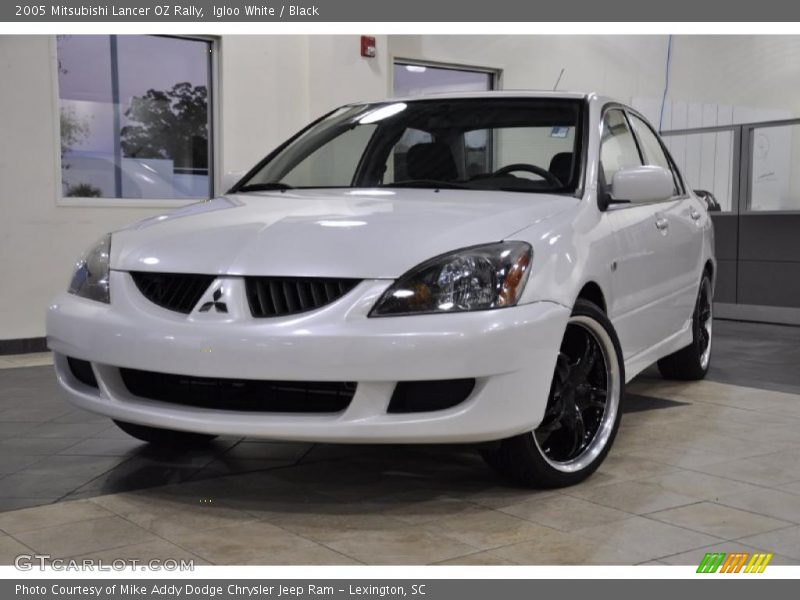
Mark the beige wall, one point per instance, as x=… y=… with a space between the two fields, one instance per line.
x=271 y=86
x=39 y=241
x=757 y=71
x=620 y=66
x=339 y=75
x=263 y=93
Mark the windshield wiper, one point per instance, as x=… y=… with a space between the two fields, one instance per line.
x=428 y=183
x=527 y=190
x=265 y=187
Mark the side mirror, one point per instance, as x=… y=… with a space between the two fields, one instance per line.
x=646 y=183
x=230 y=178
x=712 y=205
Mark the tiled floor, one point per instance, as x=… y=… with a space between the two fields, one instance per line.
x=713 y=465
x=37 y=359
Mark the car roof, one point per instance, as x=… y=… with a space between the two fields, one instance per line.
x=590 y=96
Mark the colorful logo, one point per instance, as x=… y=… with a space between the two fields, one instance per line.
x=736 y=562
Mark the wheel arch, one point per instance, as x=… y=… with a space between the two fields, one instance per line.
x=709 y=268
x=592 y=292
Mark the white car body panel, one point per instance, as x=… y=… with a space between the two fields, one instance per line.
x=649 y=279
x=337 y=342
x=324 y=233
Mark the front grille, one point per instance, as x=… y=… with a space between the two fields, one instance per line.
x=248 y=395
x=427 y=396
x=280 y=296
x=174 y=291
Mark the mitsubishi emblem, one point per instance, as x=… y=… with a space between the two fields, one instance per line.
x=215 y=303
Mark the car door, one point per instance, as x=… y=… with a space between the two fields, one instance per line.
x=640 y=279
x=684 y=233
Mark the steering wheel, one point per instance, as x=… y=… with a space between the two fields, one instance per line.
x=543 y=173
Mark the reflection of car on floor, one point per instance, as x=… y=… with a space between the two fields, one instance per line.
x=467 y=268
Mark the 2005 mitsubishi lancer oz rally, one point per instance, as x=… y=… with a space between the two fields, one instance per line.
x=465 y=268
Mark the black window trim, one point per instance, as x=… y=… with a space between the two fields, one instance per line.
x=676 y=176
x=608 y=109
x=626 y=110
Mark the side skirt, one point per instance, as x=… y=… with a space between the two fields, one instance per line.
x=639 y=362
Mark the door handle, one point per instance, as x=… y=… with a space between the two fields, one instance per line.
x=662 y=224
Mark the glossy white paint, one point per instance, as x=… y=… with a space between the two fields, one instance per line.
x=646 y=258
x=646 y=183
x=508 y=350
x=325 y=233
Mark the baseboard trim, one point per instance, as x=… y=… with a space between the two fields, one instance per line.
x=779 y=315
x=23 y=346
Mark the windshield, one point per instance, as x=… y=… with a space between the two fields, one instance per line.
x=507 y=144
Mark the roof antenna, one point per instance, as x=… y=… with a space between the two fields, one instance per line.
x=555 y=87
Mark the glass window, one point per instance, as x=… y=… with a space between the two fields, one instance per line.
x=416 y=79
x=706 y=162
x=333 y=164
x=775 y=174
x=507 y=144
x=135 y=116
x=396 y=166
x=481 y=152
x=617 y=147
x=651 y=147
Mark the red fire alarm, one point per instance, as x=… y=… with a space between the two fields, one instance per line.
x=368 y=46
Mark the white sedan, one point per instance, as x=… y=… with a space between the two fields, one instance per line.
x=463 y=268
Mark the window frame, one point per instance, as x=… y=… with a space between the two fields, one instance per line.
x=676 y=174
x=747 y=153
x=496 y=74
x=215 y=158
x=627 y=111
x=620 y=109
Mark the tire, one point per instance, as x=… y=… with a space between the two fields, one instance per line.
x=589 y=381
x=691 y=363
x=165 y=437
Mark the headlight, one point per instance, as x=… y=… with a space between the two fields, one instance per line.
x=90 y=279
x=477 y=278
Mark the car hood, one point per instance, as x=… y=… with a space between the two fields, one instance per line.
x=366 y=234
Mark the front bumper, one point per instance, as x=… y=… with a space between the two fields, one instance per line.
x=510 y=352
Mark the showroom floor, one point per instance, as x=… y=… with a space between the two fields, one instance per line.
x=712 y=465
